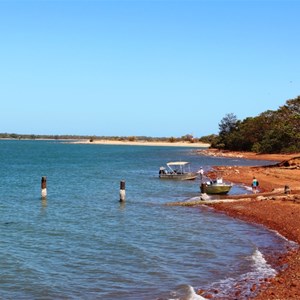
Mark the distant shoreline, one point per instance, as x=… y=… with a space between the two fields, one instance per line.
x=142 y=143
x=119 y=142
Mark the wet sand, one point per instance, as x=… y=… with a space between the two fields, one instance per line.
x=280 y=212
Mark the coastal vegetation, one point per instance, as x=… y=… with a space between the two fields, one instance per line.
x=270 y=132
x=186 y=138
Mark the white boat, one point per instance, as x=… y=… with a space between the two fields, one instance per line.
x=216 y=186
x=177 y=170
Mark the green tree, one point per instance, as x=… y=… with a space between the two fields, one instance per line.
x=270 y=132
x=227 y=126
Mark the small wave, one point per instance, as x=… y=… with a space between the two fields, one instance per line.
x=261 y=266
x=292 y=244
x=185 y=292
x=243 y=285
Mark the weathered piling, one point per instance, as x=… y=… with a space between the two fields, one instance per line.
x=122 y=191
x=44 y=187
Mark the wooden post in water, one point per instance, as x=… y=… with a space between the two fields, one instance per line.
x=122 y=191
x=44 y=187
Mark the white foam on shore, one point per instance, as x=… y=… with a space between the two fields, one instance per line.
x=193 y=296
x=293 y=244
x=261 y=265
x=260 y=270
x=186 y=292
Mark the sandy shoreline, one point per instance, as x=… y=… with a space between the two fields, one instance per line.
x=124 y=142
x=142 y=143
x=280 y=213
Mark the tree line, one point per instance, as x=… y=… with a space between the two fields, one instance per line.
x=270 y=132
x=186 y=138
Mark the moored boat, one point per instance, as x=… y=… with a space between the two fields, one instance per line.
x=217 y=187
x=178 y=170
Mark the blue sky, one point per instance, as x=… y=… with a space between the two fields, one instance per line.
x=144 y=68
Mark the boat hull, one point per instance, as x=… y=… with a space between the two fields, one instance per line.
x=185 y=176
x=215 y=189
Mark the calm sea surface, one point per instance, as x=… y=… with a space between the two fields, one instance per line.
x=82 y=243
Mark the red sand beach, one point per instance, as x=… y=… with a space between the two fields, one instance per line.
x=280 y=212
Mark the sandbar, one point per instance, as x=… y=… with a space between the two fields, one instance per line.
x=143 y=143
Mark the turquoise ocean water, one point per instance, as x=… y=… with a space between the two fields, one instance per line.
x=82 y=243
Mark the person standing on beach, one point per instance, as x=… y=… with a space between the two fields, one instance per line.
x=201 y=172
x=254 y=185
